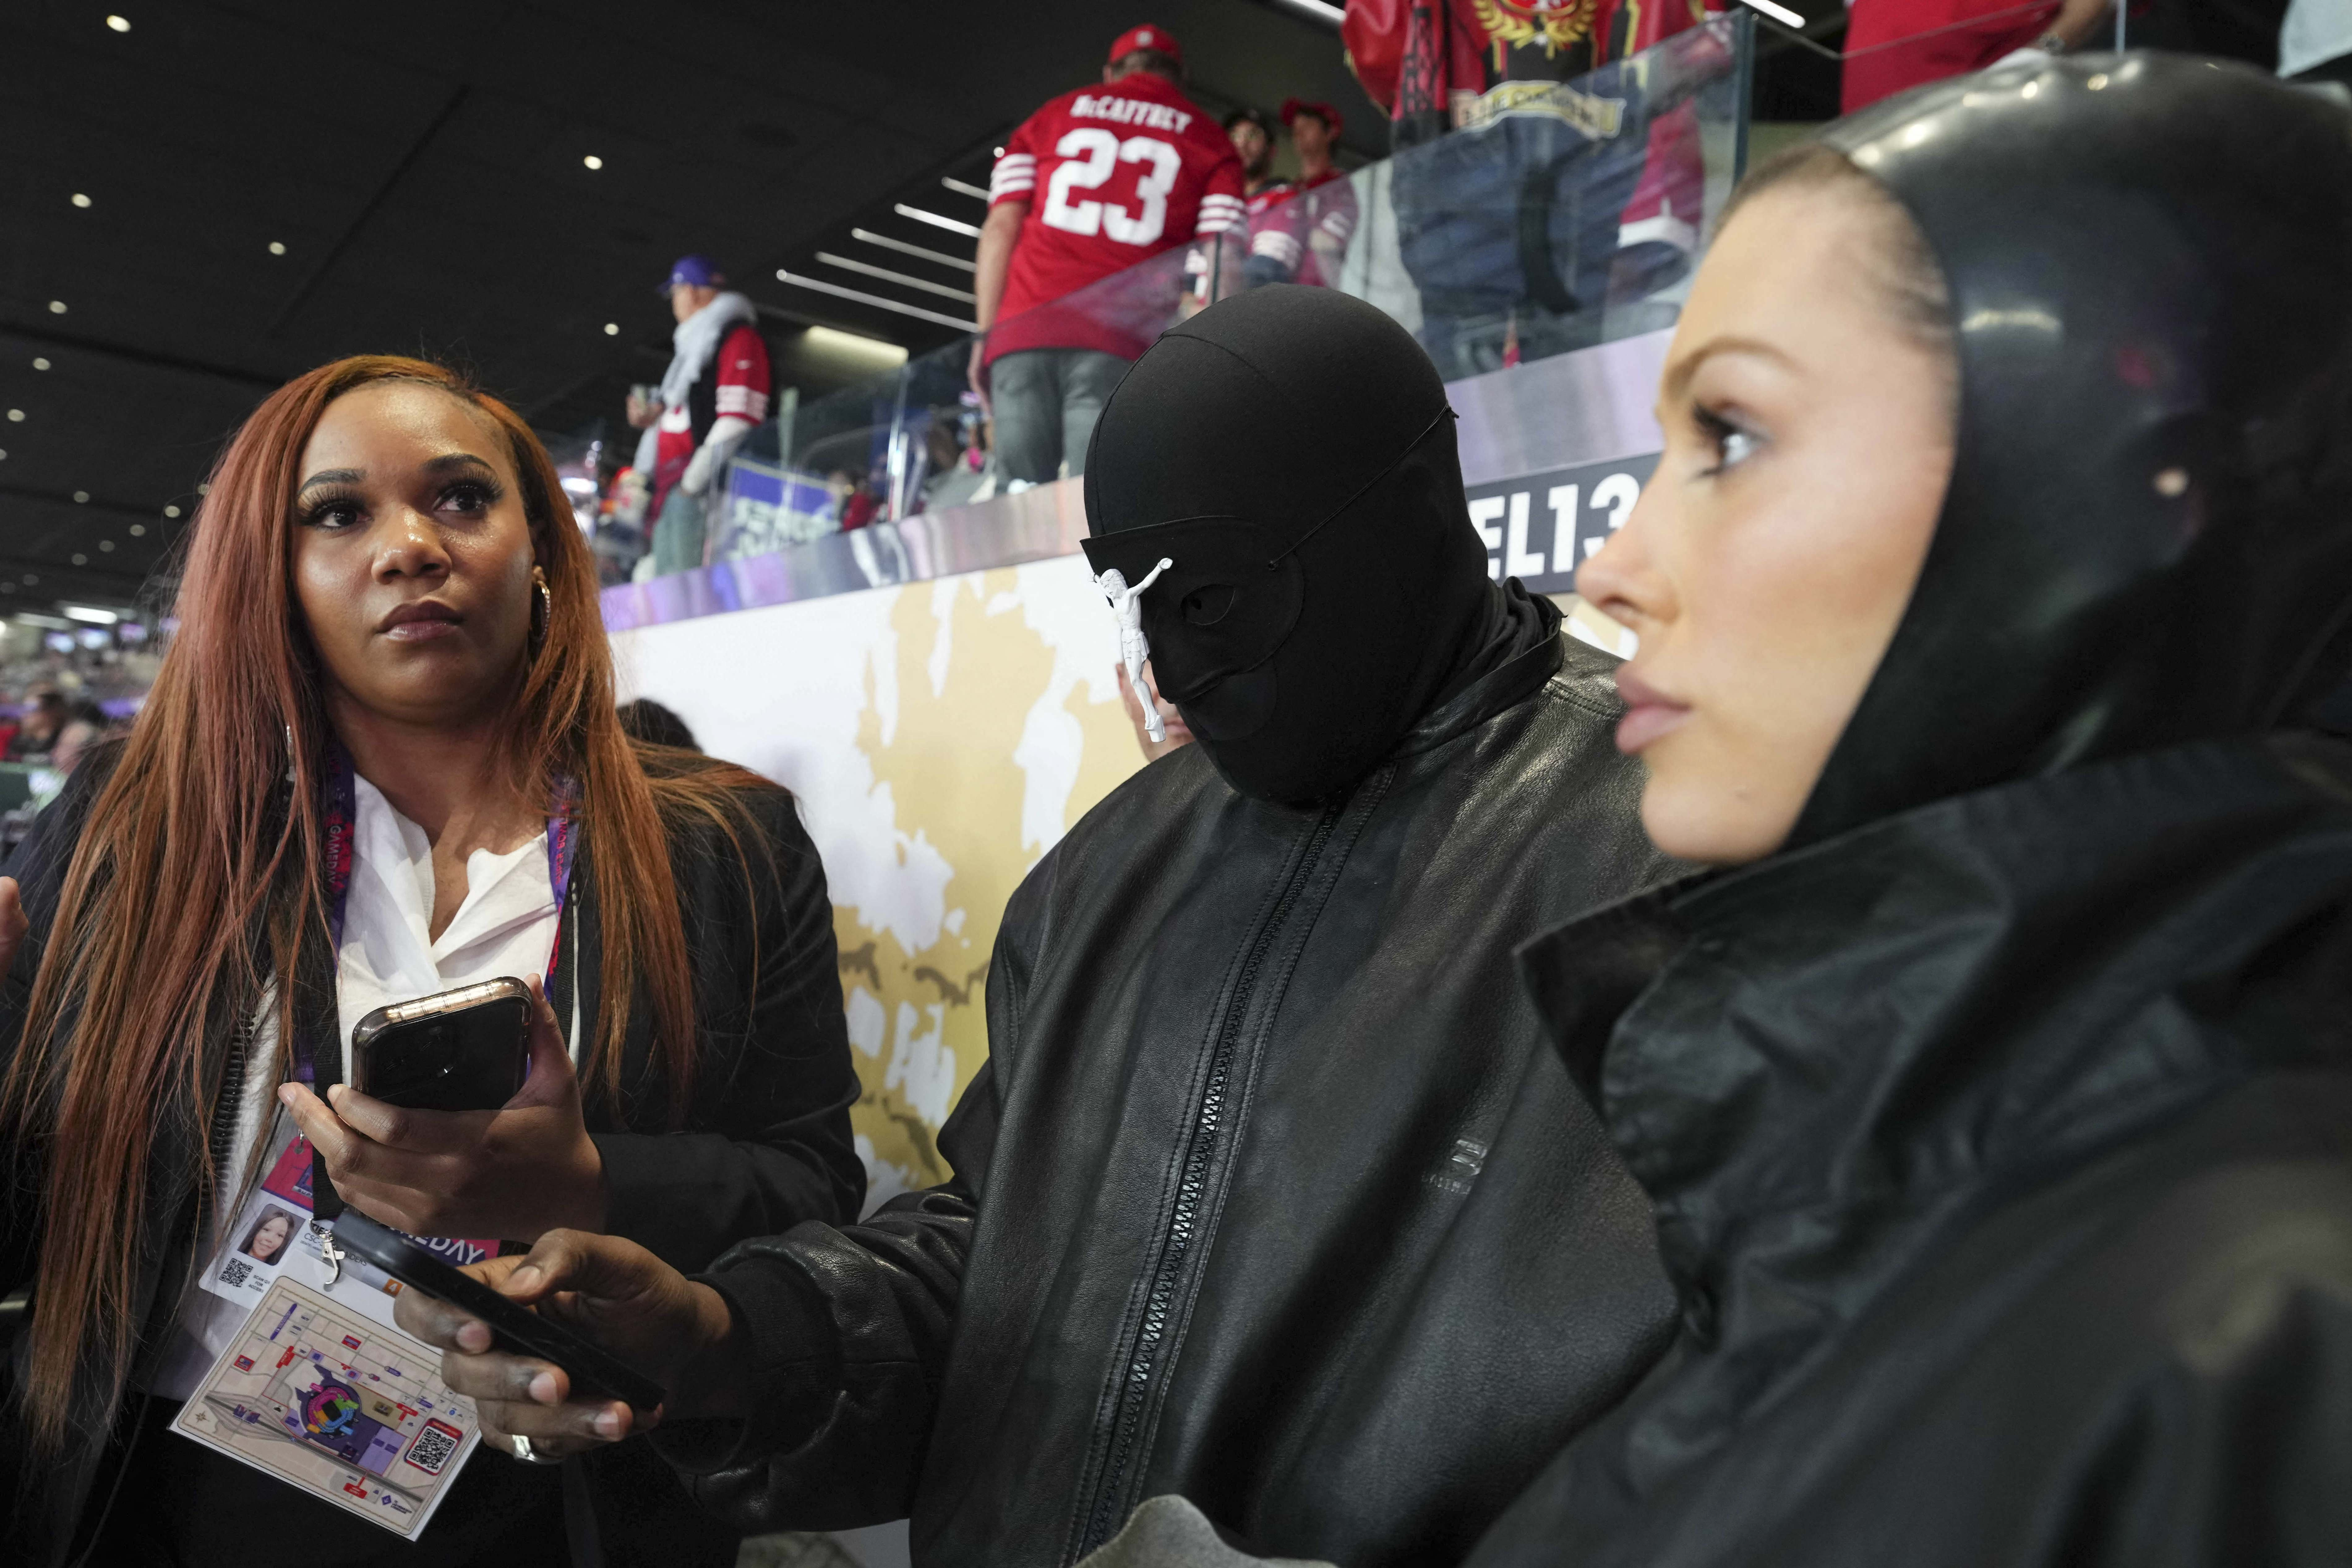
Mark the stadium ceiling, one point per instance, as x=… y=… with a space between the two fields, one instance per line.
x=201 y=198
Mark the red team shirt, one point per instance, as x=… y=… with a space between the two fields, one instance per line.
x=1898 y=44
x=1112 y=175
x=1285 y=215
x=741 y=367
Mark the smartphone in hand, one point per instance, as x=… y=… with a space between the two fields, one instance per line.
x=596 y=1373
x=466 y=1049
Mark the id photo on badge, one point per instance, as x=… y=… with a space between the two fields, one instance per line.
x=270 y=1229
x=266 y=1237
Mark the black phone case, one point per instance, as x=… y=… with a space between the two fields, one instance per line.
x=594 y=1371
x=468 y=1057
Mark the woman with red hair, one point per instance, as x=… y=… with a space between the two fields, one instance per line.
x=382 y=759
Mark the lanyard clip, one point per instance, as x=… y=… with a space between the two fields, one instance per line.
x=329 y=1254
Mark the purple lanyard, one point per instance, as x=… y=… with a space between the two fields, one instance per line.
x=340 y=811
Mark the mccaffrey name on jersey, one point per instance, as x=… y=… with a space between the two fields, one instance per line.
x=1126 y=171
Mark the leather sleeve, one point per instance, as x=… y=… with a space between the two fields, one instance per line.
x=771 y=1146
x=851 y=1325
x=850 y=1329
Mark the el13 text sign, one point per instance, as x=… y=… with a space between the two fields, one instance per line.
x=1539 y=528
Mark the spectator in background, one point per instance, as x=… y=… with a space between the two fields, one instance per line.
x=715 y=391
x=620 y=539
x=1592 y=167
x=1251 y=130
x=648 y=721
x=1428 y=62
x=858 y=508
x=45 y=716
x=1895 y=44
x=1305 y=235
x=958 y=449
x=1124 y=175
x=86 y=724
x=1251 y=134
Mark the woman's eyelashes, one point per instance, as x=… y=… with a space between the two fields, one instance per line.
x=1731 y=442
x=337 y=509
x=471 y=497
x=330 y=509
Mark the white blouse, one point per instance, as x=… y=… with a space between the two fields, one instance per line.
x=506 y=925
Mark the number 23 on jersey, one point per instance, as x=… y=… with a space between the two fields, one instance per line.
x=1091 y=155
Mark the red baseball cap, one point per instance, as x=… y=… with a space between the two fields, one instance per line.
x=1292 y=108
x=1147 y=37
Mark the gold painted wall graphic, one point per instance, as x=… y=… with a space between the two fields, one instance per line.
x=940 y=738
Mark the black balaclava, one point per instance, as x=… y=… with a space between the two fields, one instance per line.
x=1290 y=451
x=2147 y=538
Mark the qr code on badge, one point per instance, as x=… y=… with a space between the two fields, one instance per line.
x=236 y=1271
x=433 y=1446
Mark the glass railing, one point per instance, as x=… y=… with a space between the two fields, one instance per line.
x=1554 y=217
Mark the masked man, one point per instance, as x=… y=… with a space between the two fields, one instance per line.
x=1273 y=1193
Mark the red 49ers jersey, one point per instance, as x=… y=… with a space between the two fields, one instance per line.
x=1112 y=175
x=1286 y=228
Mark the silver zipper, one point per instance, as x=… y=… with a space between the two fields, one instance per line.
x=1210 y=1124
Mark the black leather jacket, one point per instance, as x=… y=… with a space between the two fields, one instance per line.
x=2001 y=1151
x=765 y=1142
x=1271 y=1193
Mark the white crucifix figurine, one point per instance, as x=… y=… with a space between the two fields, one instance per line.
x=1126 y=604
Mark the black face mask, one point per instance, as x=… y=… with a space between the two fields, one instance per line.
x=2147 y=537
x=1289 y=451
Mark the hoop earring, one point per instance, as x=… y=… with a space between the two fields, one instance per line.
x=542 y=612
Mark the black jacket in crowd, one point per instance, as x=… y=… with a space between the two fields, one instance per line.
x=2002 y=1151
x=1271 y=1193
x=765 y=1144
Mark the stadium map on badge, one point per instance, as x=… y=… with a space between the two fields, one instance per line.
x=321 y=1395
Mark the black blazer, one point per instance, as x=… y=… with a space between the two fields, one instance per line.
x=764 y=1142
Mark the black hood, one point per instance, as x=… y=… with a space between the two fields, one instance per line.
x=2147 y=538
x=1290 y=452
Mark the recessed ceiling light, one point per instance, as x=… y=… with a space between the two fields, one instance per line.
x=171 y=512
x=16 y=417
x=80 y=200
x=120 y=24
x=277 y=247
x=40 y=365
x=4 y=456
x=204 y=489
x=593 y=161
x=81 y=560
x=30 y=580
x=612 y=329
x=57 y=307
x=80 y=497
x=106 y=544
x=138 y=531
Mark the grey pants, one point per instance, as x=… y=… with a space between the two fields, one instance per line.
x=1045 y=402
x=677 y=534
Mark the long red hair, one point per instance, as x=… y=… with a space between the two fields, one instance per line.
x=199 y=875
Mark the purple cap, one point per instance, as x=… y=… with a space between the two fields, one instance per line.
x=699 y=270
